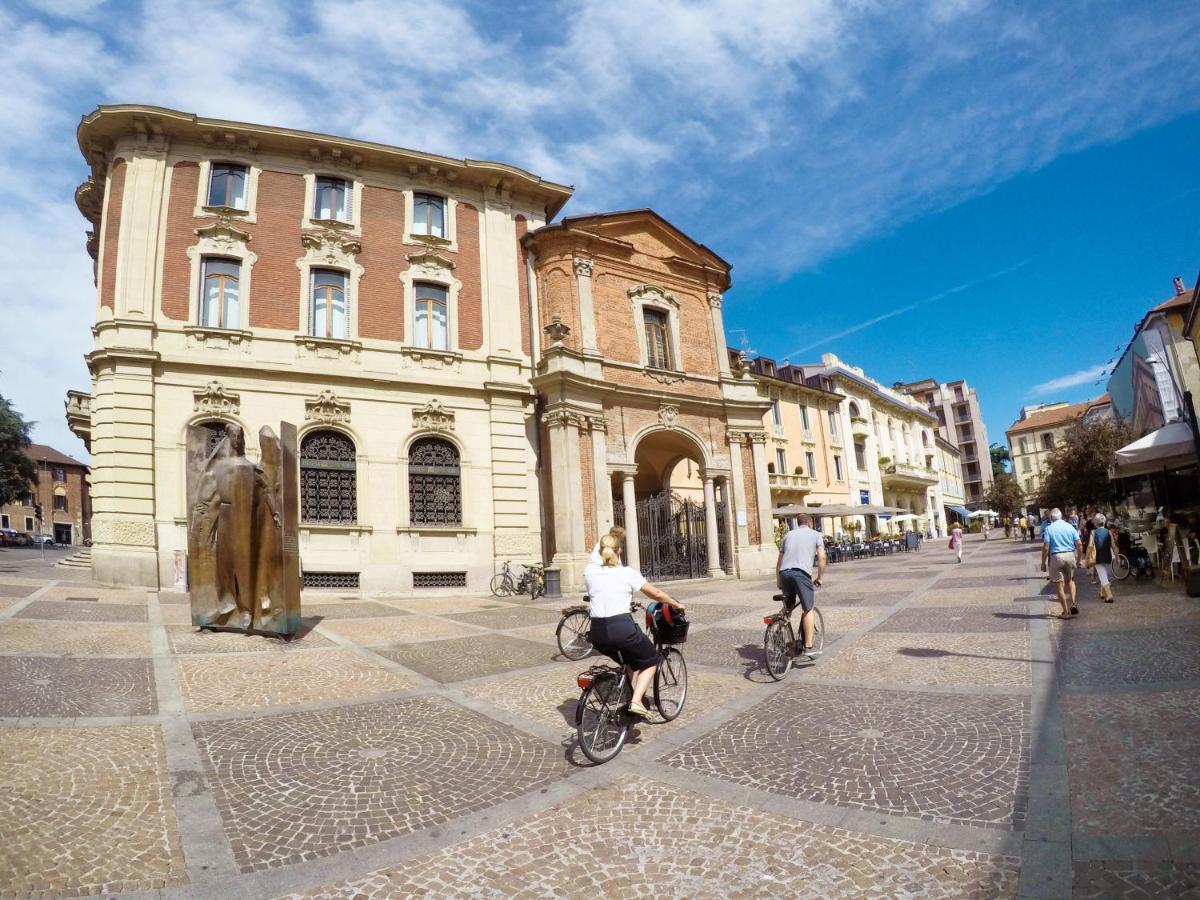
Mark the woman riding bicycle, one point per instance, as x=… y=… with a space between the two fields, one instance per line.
x=610 y=588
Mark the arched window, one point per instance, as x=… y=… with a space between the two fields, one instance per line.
x=434 y=483
x=216 y=431
x=854 y=413
x=328 y=478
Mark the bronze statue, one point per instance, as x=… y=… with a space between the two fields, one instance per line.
x=243 y=565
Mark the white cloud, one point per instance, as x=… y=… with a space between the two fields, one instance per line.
x=778 y=132
x=1063 y=382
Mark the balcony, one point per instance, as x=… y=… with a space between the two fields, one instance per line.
x=79 y=416
x=906 y=475
x=789 y=484
x=860 y=427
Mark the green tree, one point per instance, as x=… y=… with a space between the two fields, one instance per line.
x=17 y=471
x=1077 y=474
x=999 y=457
x=1004 y=495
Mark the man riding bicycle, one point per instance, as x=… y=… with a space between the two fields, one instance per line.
x=802 y=548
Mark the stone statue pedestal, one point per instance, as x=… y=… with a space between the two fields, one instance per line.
x=243 y=531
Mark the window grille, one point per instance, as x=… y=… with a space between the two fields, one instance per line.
x=335 y=580
x=439 y=579
x=328 y=478
x=434 y=483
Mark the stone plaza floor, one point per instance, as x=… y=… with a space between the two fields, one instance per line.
x=956 y=739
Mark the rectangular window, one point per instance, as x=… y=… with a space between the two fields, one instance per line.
x=219 y=295
x=832 y=423
x=60 y=474
x=4 y=521
x=429 y=215
x=658 y=351
x=29 y=523
x=811 y=462
x=1029 y=484
x=860 y=456
x=332 y=199
x=804 y=416
x=781 y=461
x=837 y=468
x=1024 y=446
x=1025 y=464
x=227 y=186
x=60 y=502
x=431 y=321
x=27 y=498
x=776 y=415
x=1048 y=441
x=327 y=314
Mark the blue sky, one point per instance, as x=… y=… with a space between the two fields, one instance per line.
x=1032 y=167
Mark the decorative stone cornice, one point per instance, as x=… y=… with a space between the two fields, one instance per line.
x=327 y=408
x=745 y=435
x=428 y=263
x=668 y=415
x=664 y=376
x=556 y=330
x=433 y=417
x=213 y=398
x=327 y=242
x=334 y=156
x=563 y=418
x=652 y=293
x=715 y=299
x=224 y=233
x=583 y=267
x=230 y=141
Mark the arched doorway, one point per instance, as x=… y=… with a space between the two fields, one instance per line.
x=672 y=519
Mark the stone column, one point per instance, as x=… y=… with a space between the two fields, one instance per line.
x=718 y=325
x=758 y=449
x=710 y=528
x=633 y=558
x=587 y=312
x=601 y=485
x=569 y=552
x=139 y=260
x=737 y=501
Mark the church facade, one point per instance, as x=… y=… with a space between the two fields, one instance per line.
x=473 y=382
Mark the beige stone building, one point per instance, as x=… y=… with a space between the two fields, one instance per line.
x=950 y=476
x=1039 y=430
x=471 y=384
x=960 y=422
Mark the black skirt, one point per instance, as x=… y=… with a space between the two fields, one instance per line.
x=618 y=638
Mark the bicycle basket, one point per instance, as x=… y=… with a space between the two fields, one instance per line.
x=668 y=625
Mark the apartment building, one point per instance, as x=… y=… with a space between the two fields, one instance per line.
x=960 y=422
x=1039 y=430
x=58 y=504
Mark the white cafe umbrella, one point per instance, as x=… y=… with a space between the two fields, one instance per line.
x=1170 y=447
x=979 y=513
x=906 y=517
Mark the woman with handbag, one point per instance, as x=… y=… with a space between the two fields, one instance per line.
x=956 y=538
x=1100 y=554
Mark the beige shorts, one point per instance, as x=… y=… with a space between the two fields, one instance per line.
x=1062 y=567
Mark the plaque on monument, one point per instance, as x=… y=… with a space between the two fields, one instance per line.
x=243 y=565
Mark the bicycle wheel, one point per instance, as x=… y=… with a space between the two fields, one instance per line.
x=1120 y=567
x=572 y=634
x=777 y=646
x=600 y=727
x=501 y=585
x=537 y=587
x=670 y=684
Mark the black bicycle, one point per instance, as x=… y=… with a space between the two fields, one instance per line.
x=779 y=640
x=575 y=627
x=602 y=718
x=532 y=581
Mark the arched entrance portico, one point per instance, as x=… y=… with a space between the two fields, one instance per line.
x=673 y=507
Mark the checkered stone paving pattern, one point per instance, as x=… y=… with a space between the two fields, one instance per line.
x=363 y=609
x=740 y=648
x=994 y=660
x=29 y=636
x=187 y=640
x=943 y=758
x=509 y=617
x=639 y=838
x=86 y=810
x=956 y=620
x=75 y=611
x=15 y=590
x=46 y=686
x=967 y=596
x=307 y=785
x=1152 y=655
x=1133 y=761
x=471 y=657
x=253 y=680
x=393 y=629
x=1135 y=881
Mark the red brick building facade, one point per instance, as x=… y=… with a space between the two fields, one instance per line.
x=62 y=493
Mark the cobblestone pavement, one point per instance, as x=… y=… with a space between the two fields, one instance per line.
x=954 y=740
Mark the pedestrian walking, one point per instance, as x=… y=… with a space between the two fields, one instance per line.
x=1100 y=554
x=1023 y=525
x=956 y=541
x=986 y=529
x=1061 y=550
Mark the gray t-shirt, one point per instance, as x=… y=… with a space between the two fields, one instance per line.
x=800 y=547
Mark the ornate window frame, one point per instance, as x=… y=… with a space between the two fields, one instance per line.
x=435 y=420
x=652 y=296
x=203 y=211
x=430 y=267
x=449 y=243
x=328 y=247
x=360 y=487
x=224 y=239
x=309 y=221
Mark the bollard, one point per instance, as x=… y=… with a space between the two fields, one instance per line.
x=553 y=583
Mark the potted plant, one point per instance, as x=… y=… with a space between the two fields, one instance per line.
x=799 y=470
x=885 y=460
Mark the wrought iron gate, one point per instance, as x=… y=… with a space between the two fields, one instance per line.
x=672 y=536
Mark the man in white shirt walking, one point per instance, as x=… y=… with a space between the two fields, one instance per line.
x=802 y=548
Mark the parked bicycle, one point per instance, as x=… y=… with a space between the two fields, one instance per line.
x=1136 y=561
x=575 y=626
x=602 y=717
x=779 y=640
x=532 y=581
